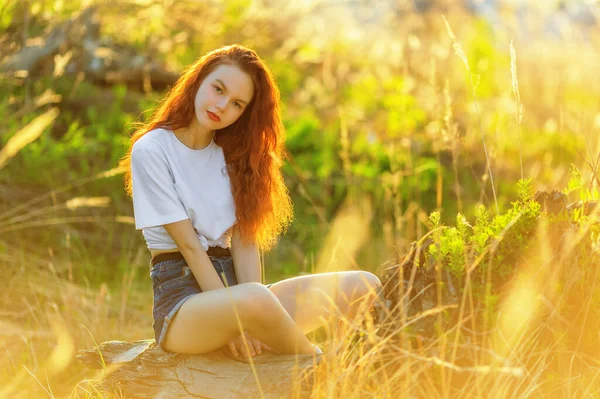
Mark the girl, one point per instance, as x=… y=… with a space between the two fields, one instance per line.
x=208 y=194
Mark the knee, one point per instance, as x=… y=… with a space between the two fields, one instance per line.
x=364 y=284
x=258 y=303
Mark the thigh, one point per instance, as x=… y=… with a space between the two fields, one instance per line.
x=314 y=300
x=209 y=320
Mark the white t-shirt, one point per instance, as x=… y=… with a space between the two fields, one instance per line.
x=172 y=182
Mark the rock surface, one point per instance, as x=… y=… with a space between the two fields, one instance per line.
x=142 y=370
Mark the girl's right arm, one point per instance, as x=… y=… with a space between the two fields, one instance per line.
x=190 y=247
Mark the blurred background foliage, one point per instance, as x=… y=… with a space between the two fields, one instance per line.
x=378 y=108
x=376 y=105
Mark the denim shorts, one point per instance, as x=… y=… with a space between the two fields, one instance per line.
x=173 y=283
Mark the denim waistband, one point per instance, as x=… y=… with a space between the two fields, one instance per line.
x=216 y=252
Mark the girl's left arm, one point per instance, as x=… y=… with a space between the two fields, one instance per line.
x=246 y=259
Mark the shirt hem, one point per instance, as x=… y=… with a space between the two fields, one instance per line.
x=161 y=222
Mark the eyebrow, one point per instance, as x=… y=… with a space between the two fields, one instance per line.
x=225 y=87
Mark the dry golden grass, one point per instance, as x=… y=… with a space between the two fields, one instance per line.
x=47 y=319
x=26 y=135
x=533 y=347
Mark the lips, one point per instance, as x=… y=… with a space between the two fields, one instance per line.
x=214 y=117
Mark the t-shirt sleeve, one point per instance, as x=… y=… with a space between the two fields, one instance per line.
x=155 y=200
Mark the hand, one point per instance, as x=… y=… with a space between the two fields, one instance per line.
x=236 y=346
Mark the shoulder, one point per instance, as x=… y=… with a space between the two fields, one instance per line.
x=152 y=142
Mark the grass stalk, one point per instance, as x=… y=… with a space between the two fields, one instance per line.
x=474 y=78
x=518 y=102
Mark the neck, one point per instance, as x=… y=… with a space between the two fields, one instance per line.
x=194 y=136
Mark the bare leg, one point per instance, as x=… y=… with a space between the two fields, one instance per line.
x=322 y=299
x=210 y=320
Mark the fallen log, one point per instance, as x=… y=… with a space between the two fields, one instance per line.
x=141 y=369
x=63 y=35
x=100 y=59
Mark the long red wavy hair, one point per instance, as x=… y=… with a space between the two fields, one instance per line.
x=253 y=145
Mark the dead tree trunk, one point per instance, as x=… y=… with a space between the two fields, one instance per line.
x=104 y=62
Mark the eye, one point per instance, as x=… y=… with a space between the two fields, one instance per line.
x=218 y=89
x=237 y=104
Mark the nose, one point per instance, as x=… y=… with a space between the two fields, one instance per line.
x=221 y=104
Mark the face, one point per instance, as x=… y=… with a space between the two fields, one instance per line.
x=222 y=97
